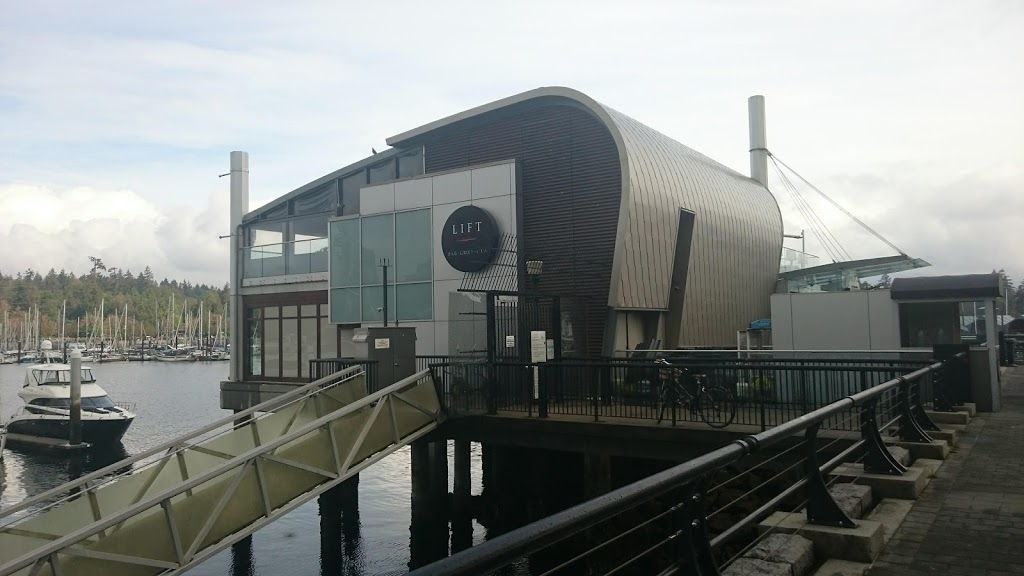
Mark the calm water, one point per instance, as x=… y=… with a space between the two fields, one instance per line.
x=172 y=399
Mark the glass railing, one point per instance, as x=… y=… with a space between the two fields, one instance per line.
x=286 y=258
x=796 y=260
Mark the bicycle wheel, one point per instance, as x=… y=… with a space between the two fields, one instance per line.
x=717 y=407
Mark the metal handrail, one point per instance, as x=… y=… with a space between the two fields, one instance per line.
x=705 y=366
x=267 y=406
x=495 y=553
x=282 y=243
x=774 y=351
x=65 y=542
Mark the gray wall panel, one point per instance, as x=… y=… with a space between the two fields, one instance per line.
x=736 y=245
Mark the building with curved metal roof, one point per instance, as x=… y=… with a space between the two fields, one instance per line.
x=642 y=237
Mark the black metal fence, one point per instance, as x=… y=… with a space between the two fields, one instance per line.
x=764 y=393
x=684 y=520
x=322 y=367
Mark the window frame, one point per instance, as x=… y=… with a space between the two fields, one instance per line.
x=393 y=281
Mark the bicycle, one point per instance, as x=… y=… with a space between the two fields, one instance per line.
x=715 y=405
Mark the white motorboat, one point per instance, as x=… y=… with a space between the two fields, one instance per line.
x=47 y=410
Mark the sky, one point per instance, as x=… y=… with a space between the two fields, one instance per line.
x=116 y=117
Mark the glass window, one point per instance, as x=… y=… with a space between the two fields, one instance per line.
x=345 y=306
x=323 y=199
x=289 y=347
x=345 y=253
x=350 y=193
x=413 y=246
x=255 y=343
x=289 y=311
x=373 y=302
x=378 y=237
x=308 y=346
x=307 y=310
x=262 y=233
x=410 y=165
x=382 y=172
x=328 y=339
x=272 y=347
x=415 y=301
x=97 y=402
x=271 y=312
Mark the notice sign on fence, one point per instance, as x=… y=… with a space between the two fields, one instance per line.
x=538 y=346
x=510 y=341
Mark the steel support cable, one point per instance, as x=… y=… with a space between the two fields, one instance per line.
x=803 y=214
x=614 y=539
x=670 y=538
x=797 y=510
x=835 y=239
x=752 y=468
x=790 y=467
x=836 y=204
x=62 y=495
x=813 y=216
x=808 y=215
x=755 y=489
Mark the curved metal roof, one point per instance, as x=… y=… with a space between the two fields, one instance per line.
x=737 y=241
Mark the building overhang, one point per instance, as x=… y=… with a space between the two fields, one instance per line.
x=965 y=287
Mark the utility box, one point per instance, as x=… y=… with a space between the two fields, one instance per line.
x=393 y=348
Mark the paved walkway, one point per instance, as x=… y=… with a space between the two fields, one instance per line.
x=970 y=518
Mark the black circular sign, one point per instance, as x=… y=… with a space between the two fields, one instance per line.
x=469 y=239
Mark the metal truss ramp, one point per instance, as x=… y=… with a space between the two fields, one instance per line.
x=184 y=501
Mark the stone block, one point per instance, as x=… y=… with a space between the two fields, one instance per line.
x=907 y=486
x=902 y=455
x=890 y=513
x=861 y=543
x=930 y=466
x=949 y=436
x=935 y=450
x=794 y=551
x=853 y=499
x=955 y=417
x=755 y=567
x=842 y=568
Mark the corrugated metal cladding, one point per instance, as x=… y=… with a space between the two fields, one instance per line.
x=737 y=240
x=571 y=149
x=570 y=182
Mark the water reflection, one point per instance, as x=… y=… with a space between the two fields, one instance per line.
x=241 y=558
x=33 y=471
x=340 y=550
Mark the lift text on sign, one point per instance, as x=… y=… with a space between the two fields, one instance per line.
x=469 y=239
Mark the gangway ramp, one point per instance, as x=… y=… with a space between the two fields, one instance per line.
x=193 y=496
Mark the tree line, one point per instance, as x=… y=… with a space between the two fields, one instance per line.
x=147 y=299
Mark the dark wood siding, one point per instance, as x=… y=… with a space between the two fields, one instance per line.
x=570 y=181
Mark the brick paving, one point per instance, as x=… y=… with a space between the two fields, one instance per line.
x=970 y=518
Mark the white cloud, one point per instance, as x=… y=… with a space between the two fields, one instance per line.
x=43 y=227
